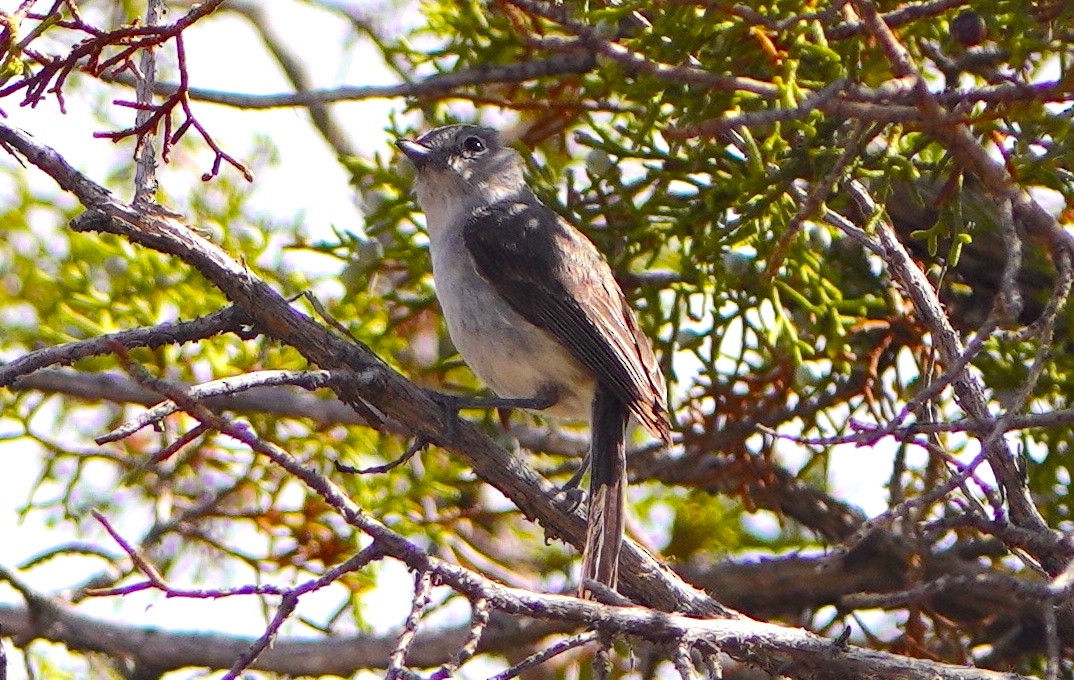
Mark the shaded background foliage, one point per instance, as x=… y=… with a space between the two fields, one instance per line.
x=769 y=319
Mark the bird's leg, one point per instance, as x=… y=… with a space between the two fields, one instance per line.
x=545 y=398
x=576 y=478
x=570 y=492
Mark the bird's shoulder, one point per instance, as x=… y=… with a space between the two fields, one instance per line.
x=523 y=226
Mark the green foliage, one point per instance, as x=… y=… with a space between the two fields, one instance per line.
x=714 y=210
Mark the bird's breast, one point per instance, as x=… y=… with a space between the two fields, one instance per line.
x=511 y=355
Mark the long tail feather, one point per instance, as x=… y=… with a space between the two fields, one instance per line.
x=607 y=491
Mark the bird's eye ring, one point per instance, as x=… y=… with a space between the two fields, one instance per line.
x=473 y=145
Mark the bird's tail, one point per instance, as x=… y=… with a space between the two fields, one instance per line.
x=607 y=491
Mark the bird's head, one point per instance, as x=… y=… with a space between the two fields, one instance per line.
x=462 y=167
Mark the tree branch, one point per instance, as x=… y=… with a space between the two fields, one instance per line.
x=171 y=333
x=337 y=655
x=440 y=84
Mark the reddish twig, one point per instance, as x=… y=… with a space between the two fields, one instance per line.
x=92 y=56
x=163 y=114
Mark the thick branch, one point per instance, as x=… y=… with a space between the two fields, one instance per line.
x=338 y=655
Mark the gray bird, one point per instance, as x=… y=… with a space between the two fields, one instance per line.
x=534 y=310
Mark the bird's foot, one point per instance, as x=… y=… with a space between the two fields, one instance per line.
x=568 y=498
x=458 y=402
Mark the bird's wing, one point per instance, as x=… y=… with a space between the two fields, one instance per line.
x=555 y=278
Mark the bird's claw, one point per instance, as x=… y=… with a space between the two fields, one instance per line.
x=569 y=497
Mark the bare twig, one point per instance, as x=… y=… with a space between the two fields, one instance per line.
x=439 y=85
x=320 y=114
x=90 y=56
x=172 y=333
x=412 y=450
x=967 y=387
x=423 y=585
x=1044 y=326
x=177 y=445
x=145 y=174
x=816 y=196
x=1003 y=309
x=292 y=403
x=478 y=623
x=309 y=380
x=550 y=652
x=369 y=554
x=762 y=119
x=903 y=15
x=683 y=663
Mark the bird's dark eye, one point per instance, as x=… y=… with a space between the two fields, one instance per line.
x=473 y=145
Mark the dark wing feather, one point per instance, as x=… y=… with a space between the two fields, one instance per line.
x=556 y=279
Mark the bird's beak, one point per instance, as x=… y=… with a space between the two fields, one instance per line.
x=418 y=153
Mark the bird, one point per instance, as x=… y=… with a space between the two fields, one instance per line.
x=534 y=309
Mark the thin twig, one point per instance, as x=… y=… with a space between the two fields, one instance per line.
x=602 y=660
x=423 y=584
x=967 y=387
x=145 y=172
x=1051 y=642
x=172 y=333
x=177 y=445
x=415 y=446
x=438 y=85
x=309 y=380
x=589 y=36
x=818 y=194
x=1003 y=309
x=683 y=663
x=550 y=652
x=479 y=620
